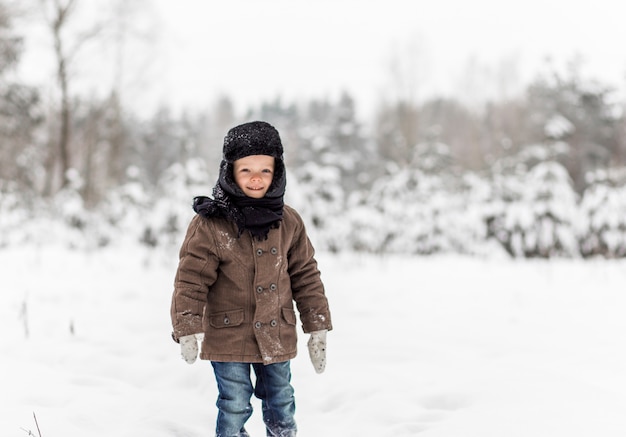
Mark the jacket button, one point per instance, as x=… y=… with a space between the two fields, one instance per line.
x=273 y=287
x=226 y=321
x=259 y=252
x=257 y=325
x=273 y=323
x=259 y=289
x=274 y=251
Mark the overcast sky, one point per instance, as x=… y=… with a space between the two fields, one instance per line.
x=252 y=50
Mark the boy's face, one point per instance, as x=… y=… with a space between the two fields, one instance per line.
x=254 y=174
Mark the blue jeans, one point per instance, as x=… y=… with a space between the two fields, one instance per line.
x=273 y=387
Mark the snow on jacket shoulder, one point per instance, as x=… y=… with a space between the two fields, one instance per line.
x=240 y=291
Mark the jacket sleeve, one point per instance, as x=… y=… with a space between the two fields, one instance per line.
x=197 y=271
x=306 y=283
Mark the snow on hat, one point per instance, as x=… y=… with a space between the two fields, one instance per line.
x=253 y=138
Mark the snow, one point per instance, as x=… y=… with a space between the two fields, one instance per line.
x=558 y=127
x=443 y=346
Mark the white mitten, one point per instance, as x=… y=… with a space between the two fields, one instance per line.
x=317 y=350
x=189 y=347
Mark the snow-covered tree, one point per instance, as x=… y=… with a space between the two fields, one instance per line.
x=582 y=112
x=171 y=209
x=424 y=209
x=602 y=228
x=408 y=211
x=316 y=192
x=13 y=214
x=124 y=210
x=542 y=222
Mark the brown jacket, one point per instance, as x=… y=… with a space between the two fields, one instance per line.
x=239 y=291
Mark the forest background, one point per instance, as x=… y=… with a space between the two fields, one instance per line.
x=535 y=173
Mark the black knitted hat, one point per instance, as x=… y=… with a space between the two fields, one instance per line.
x=254 y=138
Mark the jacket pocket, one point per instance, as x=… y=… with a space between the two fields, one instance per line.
x=226 y=319
x=289 y=315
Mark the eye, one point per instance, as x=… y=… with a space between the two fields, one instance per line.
x=267 y=170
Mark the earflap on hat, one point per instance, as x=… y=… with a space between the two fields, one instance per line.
x=253 y=138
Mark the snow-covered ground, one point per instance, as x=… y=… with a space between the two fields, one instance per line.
x=442 y=346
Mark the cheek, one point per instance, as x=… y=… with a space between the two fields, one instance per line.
x=239 y=180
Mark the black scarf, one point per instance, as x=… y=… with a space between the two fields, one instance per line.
x=257 y=216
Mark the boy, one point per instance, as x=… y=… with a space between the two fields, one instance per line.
x=244 y=261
